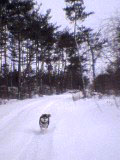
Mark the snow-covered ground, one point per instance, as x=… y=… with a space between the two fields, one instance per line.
x=88 y=129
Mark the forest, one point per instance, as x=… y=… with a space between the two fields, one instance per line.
x=38 y=57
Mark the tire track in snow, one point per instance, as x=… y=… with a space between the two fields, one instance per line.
x=26 y=138
x=41 y=144
x=6 y=120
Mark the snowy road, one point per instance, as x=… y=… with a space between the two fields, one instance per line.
x=78 y=130
x=20 y=136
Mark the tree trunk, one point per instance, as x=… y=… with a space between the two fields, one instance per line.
x=82 y=77
x=5 y=57
x=19 y=67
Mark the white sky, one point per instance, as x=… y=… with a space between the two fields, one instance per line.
x=103 y=9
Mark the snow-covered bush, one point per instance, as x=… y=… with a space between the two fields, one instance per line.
x=76 y=96
x=3 y=101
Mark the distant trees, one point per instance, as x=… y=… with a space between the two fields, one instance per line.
x=65 y=48
x=110 y=80
x=38 y=58
x=95 y=44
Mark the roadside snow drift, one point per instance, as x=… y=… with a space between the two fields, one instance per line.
x=88 y=129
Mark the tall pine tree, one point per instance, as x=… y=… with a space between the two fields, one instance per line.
x=75 y=11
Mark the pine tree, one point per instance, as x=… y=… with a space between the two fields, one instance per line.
x=17 y=24
x=75 y=11
x=3 y=42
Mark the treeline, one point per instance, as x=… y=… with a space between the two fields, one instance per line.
x=36 y=57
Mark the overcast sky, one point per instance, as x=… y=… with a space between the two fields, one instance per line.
x=103 y=9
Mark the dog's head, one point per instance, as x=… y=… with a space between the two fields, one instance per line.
x=45 y=115
x=44 y=120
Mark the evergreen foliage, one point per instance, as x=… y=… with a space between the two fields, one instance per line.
x=37 y=58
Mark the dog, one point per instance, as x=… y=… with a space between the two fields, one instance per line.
x=44 y=121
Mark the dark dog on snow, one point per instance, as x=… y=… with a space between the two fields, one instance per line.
x=44 y=121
